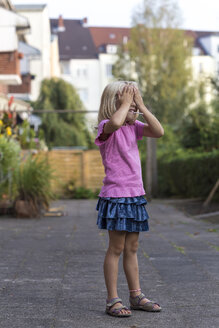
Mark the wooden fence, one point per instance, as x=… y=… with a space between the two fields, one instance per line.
x=84 y=167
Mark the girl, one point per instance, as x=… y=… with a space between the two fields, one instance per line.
x=121 y=204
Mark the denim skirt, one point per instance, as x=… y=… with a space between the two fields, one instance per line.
x=122 y=214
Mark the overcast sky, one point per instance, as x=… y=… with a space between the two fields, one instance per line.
x=197 y=14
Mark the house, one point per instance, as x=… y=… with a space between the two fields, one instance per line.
x=107 y=40
x=204 y=62
x=87 y=55
x=15 y=27
x=79 y=60
x=205 y=59
x=43 y=59
x=13 y=30
x=30 y=55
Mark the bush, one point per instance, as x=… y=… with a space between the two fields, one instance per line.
x=33 y=181
x=200 y=130
x=189 y=175
x=73 y=192
x=9 y=162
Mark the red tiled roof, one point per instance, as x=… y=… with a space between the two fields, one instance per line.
x=108 y=35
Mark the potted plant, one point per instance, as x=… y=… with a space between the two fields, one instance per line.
x=34 y=193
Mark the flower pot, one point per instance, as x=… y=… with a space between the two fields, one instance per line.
x=25 y=209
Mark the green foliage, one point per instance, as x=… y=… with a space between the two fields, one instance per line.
x=9 y=154
x=200 y=130
x=66 y=129
x=33 y=180
x=189 y=175
x=73 y=192
x=215 y=102
x=169 y=145
x=26 y=136
x=9 y=161
x=157 y=57
x=59 y=133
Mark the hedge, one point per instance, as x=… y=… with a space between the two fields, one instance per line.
x=192 y=175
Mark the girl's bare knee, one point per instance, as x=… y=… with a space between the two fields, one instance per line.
x=131 y=247
x=116 y=249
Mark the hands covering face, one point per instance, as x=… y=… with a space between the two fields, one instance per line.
x=130 y=95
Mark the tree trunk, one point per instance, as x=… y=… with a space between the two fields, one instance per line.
x=151 y=168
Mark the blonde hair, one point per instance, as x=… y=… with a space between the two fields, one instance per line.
x=108 y=99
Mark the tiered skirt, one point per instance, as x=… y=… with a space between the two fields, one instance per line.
x=122 y=214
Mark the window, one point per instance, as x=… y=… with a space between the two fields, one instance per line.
x=65 y=69
x=125 y=39
x=81 y=72
x=83 y=93
x=112 y=36
x=109 y=70
x=200 y=67
x=196 y=51
x=111 y=49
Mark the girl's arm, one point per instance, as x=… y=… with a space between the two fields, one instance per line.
x=118 y=118
x=152 y=128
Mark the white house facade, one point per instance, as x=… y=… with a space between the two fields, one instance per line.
x=39 y=38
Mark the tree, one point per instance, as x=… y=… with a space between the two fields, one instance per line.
x=157 y=58
x=62 y=129
x=200 y=130
x=215 y=102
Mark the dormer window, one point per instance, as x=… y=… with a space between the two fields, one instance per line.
x=125 y=39
x=112 y=36
x=111 y=49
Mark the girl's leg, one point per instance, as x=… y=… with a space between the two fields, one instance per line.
x=130 y=260
x=116 y=246
x=130 y=264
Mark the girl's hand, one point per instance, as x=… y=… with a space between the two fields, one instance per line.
x=138 y=99
x=126 y=97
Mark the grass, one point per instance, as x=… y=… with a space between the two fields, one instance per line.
x=179 y=248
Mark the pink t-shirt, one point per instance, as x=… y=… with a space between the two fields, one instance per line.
x=120 y=157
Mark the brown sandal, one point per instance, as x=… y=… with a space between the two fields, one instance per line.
x=116 y=312
x=148 y=306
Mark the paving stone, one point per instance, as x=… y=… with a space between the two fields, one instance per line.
x=51 y=270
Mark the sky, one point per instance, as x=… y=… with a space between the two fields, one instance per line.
x=197 y=14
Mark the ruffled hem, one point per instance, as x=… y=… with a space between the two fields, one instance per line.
x=122 y=214
x=129 y=225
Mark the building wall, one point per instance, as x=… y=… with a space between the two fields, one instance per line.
x=3 y=89
x=211 y=44
x=84 y=75
x=106 y=63
x=40 y=39
x=9 y=43
x=9 y=63
x=204 y=67
x=54 y=62
x=24 y=88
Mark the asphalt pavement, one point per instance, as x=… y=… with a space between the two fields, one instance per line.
x=51 y=270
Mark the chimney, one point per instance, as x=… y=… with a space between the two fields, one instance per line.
x=84 y=22
x=61 y=26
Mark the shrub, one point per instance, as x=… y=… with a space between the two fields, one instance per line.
x=73 y=192
x=9 y=161
x=33 y=180
x=189 y=175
